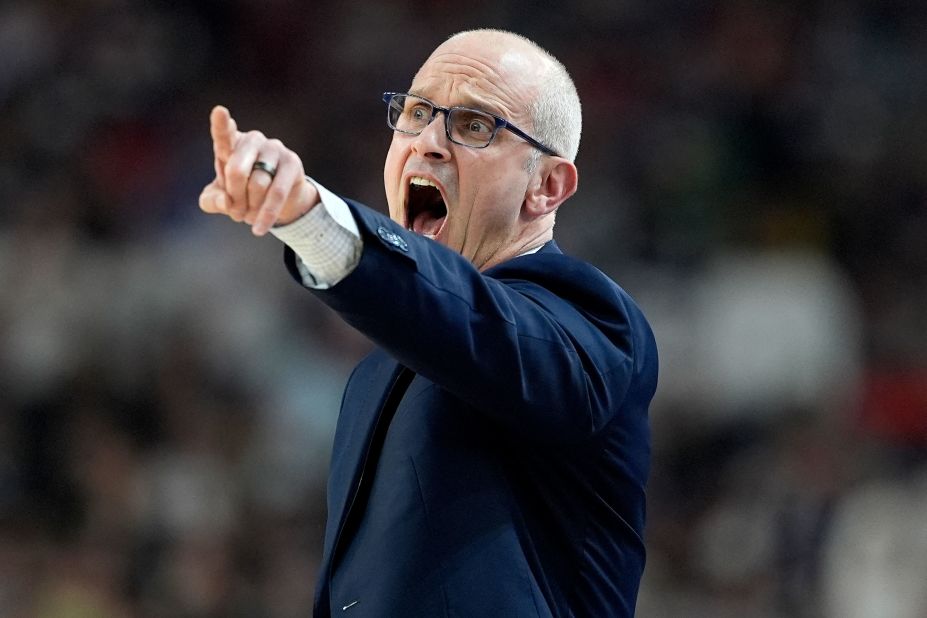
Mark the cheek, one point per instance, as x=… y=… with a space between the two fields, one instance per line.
x=491 y=209
x=392 y=173
x=392 y=168
x=500 y=198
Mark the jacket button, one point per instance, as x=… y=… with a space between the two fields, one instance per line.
x=392 y=238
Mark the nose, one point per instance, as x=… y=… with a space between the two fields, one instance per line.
x=432 y=142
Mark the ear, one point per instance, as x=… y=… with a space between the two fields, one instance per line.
x=552 y=183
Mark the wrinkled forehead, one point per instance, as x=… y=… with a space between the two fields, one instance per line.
x=497 y=76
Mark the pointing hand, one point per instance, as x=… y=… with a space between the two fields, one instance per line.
x=258 y=180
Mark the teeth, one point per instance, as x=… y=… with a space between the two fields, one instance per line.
x=422 y=182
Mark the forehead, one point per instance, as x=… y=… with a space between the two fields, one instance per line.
x=499 y=77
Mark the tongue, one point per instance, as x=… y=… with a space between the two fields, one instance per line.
x=427 y=223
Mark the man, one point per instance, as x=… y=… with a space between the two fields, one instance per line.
x=491 y=455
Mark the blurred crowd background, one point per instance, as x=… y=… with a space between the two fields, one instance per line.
x=754 y=173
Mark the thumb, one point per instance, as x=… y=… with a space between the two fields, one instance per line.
x=213 y=198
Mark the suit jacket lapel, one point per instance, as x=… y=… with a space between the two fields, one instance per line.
x=366 y=395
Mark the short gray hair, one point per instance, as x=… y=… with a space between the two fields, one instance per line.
x=556 y=112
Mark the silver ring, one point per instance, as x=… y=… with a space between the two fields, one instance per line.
x=264 y=167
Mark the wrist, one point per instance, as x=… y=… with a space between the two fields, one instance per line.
x=307 y=199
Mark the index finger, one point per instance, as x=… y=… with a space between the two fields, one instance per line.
x=224 y=132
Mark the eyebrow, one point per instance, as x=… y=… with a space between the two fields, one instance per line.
x=469 y=102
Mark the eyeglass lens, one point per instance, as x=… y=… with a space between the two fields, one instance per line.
x=411 y=114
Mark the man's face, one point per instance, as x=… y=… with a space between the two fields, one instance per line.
x=482 y=189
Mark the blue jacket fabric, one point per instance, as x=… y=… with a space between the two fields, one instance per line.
x=491 y=455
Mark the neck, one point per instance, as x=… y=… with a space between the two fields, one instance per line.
x=527 y=241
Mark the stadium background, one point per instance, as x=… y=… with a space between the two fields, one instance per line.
x=754 y=173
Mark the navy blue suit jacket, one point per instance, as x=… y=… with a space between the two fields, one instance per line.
x=491 y=455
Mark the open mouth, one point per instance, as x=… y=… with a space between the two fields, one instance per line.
x=426 y=211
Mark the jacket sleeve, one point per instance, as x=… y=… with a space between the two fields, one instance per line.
x=543 y=344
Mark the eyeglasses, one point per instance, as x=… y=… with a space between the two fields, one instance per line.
x=408 y=113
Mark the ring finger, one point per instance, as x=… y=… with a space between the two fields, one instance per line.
x=262 y=175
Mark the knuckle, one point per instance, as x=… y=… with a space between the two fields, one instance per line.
x=289 y=157
x=258 y=182
x=236 y=174
x=277 y=193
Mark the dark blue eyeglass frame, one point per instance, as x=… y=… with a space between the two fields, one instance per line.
x=501 y=123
